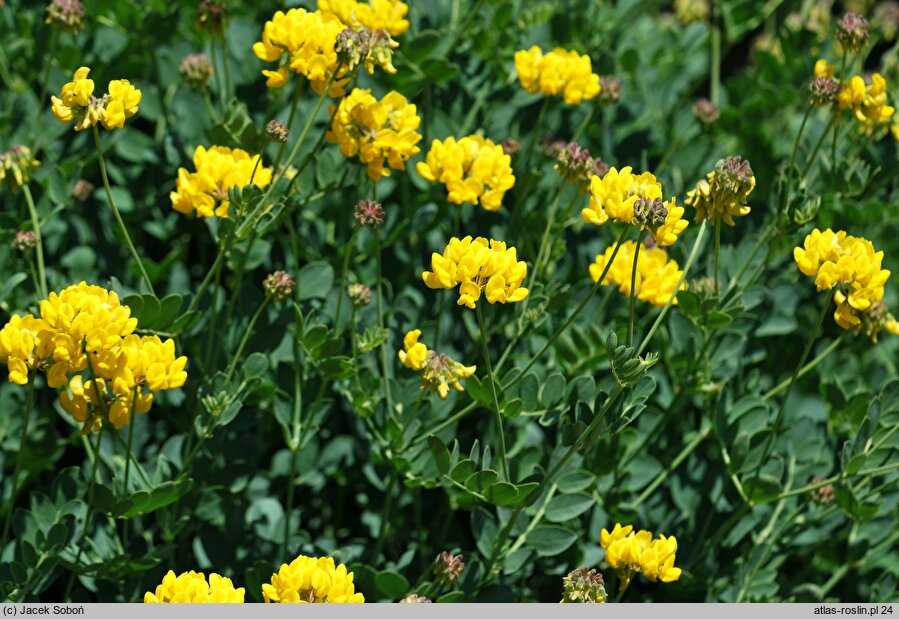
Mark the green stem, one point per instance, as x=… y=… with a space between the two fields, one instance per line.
x=504 y=462
x=380 y=303
x=39 y=248
x=297 y=93
x=10 y=507
x=128 y=455
x=576 y=311
x=715 y=72
x=226 y=68
x=285 y=546
x=808 y=112
x=95 y=462
x=341 y=292
x=219 y=260
x=385 y=513
x=735 y=280
x=246 y=338
x=525 y=168
x=661 y=477
x=783 y=404
x=717 y=251
x=633 y=295
x=549 y=224
x=814 y=155
x=805 y=369
x=210 y=108
x=115 y=212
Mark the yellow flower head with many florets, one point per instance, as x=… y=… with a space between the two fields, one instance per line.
x=77 y=102
x=657 y=276
x=374 y=14
x=478 y=266
x=629 y=198
x=303 y=42
x=725 y=192
x=383 y=134
x=217 y=169
x=312 y=580
x=16 y=166
x=559 y=72
x=84 y=339
x=474 y=170
x=191 y=588
x=850 y=265
x=629 y=553
x=867 y=102
x=439 y=372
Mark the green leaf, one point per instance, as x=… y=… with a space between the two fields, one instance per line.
x=315 y=280
x=481 y=481
x=553 y=390
x=529 y=391
x=144 y=502
x=462 y=471
x=855 y=463
x=549 y=541
x=568 y=506
x=392 y=584
x=145 y=307
x=441 y=454
x=688 y=303
x=255 y=366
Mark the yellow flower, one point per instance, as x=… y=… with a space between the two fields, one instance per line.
x=191 y=587
x=438 y=372
x=478 y=266
x=375 y=14
x=312 y=580
x=77 y=102
x=474 y=170
x=868 y=103
x=381 y=133
x=657 y=276
x=824 y=69
x=629 y=552
x=724 y=191
x=558 y=72
x=218 y=169
x=851 y=265
x=303 y=42
x=20 y=346
x=16 y=166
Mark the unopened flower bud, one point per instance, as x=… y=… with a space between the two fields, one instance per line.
x=650 y=213
x=852 y=31
x=279 y=285
x=511 y=146
x=583 y=586
x=359 y=294
x=448 y=568
x=196 y=71
x=414 y=598
x=83 y=190
x=823 y=495
x=277 y=130
x=369 y=213
x=706 y=112
x=25 y=240
x=823 y=91
x=65 y=15
x=610 y=90
x=16 y=166
x=212 y=15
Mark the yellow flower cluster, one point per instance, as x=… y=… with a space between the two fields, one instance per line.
x=312 y=580
x=16 y=166
x=382 y=133
x=77 y=102
x=867 y=102
x=848 y=263
x=303 y=42
x=438 y=372
x=615 y=196
x=474 y=170
x=477 y=266
x=84 y=340
x=218 y=169
x=559 y=72
x=191 y=588
x=657 y=276
x=375 y=14
x=724 y=192
x=628 y=553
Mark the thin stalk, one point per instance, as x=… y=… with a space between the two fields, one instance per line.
x=226 y=68
x=39 y=248
x=832 y=480
x=717 y=251
x=380 y=302
x=385 y=513
x=321 y=140
x=576 y=311
x=285 y=546
x=216 y=266
x=210 y=108
x=246 y=338
x=297 y=93
x=525 y=168
x=295 y=436
x=29 y=405
x=95 y=462
x=661 y=477
x=715 y=72
x=783 y=404
x=814 y=155
x=217 y=76
x=633 y=295
x=128 y=455
x=504 y=462
x=735 y=280
x=683 y=278
x=805 y=369
x=344 y=270
x=549 y=224
x=808 y=112
x=115 y=212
